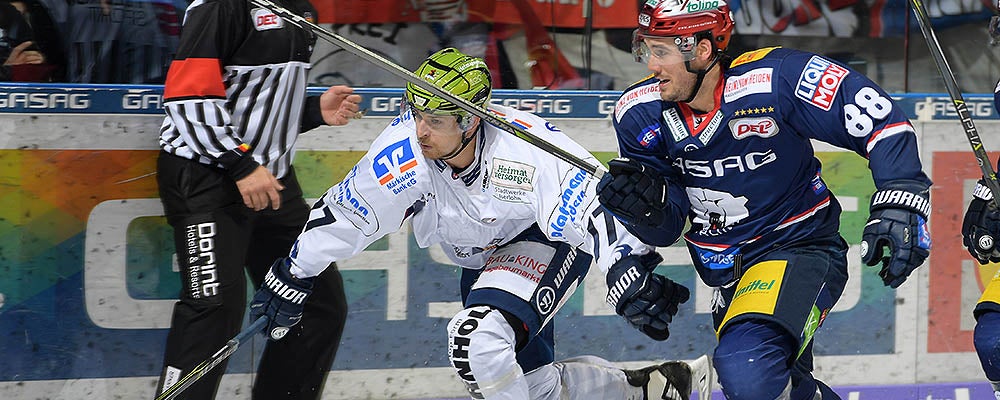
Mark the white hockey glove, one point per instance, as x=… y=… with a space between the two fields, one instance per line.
x=281 y=299
x=898 y=220
x=648 y=301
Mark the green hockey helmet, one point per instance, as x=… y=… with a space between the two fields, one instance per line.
x=462 y=75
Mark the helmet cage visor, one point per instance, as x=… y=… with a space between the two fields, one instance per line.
x=464 y=118
x=663 y=50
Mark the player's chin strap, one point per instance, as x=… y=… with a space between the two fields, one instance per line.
x=701 y=76
x=465 y=143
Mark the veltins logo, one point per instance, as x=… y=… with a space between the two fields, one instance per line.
x=819 y=82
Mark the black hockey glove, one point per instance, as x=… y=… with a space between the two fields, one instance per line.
x=633 y=192
x=280 y=298
x=648 y=301
x=898 y=220
x=981 y=226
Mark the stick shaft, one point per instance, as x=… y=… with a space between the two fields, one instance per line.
x=408 y=76
x=205 y=366
x=989 y=174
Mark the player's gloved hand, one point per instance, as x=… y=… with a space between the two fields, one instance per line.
x=633 y=192
x=280 y=298
x=648 y=301
x=981 y=226
x=898 y=221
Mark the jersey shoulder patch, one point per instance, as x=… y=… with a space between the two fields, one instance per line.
x=395 y=158
x=752 y=56
x=644 y=91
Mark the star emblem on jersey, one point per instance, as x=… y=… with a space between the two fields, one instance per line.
x=753 y=111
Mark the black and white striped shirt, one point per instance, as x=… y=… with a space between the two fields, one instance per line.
x=237 y=86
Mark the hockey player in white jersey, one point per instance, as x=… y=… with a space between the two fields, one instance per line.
x=525 y=226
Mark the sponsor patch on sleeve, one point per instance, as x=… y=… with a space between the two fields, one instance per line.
x=573 y=202
x=649 y=136
x=357 y=209
x=819 y=82
x=638 y=95
x=393 y=166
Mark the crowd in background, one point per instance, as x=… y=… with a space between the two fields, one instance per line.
x=527 y=43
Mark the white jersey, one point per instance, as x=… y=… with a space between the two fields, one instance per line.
x=510 y=187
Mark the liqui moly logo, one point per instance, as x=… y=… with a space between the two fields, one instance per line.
x=819 y=82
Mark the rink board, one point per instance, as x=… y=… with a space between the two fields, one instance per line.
x=87 y=278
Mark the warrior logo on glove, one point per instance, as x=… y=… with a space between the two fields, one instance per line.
x=898 y=221
x=648 y=301
x=281 y=299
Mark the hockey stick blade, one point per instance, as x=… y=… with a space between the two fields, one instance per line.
x=202 y=369
x=989 y=175
x=393 y=68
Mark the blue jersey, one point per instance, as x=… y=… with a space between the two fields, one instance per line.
x=744 y=174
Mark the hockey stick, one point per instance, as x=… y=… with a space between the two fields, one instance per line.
x=989 y=175
x=395 y=69
x=201 y=369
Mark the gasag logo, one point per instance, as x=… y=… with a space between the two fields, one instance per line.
x=743 y=128
x=393 y=166
x=558 y=106
x=819 y=82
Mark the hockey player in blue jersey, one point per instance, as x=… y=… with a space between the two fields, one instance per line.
x=726 y=144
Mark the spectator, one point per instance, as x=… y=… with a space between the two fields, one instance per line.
x=46 y=35
x=23 y=60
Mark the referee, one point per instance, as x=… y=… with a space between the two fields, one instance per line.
x=235 y=101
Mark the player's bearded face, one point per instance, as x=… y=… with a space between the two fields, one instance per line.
x=667 y=62
x=439 y=135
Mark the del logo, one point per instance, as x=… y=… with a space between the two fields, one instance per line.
x=745 y=127
x=264 y=19
x=819 y=82
x=393 y=166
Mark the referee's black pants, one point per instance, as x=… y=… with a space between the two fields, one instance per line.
x=216 y=237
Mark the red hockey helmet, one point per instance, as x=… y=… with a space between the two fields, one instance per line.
x=684 y=20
